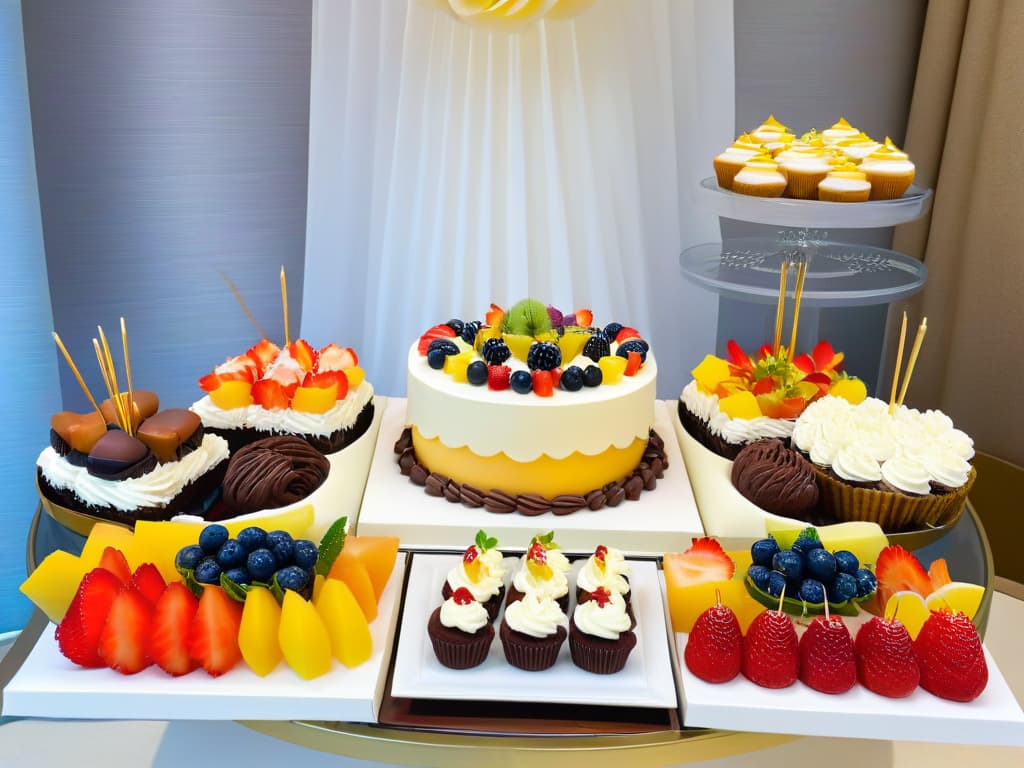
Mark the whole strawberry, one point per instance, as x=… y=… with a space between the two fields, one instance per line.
x=827 y=663
x=886 y=661
x=951 y=658
x=714 y=649
x=771 y=651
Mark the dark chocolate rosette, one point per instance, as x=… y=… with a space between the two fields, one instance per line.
x=272 y=473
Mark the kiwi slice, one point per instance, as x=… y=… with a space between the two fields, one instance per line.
x=528 y=317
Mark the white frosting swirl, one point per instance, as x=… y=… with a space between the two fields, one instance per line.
x=154 y=489
x=287 y=421
x=945 y=467
x=494 y=561
x=906 y=475
x=856 y=464
x=488 y=586
x=607 y=621
x=839 y=184
x=736 y=431
x=611 y=577
x=535 y=616
x=467 y=618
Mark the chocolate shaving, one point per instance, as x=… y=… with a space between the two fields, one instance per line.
x=272 y=473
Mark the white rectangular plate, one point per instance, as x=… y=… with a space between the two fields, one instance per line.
x=663 y=520
x=994 y=718
x=48 y=685
x=646 y=680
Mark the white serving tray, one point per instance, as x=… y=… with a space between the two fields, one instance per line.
x=645 y=681
x=48 y=685
x=994 y=718
x=663 y=520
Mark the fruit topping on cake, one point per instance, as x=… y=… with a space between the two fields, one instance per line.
x=714 y=648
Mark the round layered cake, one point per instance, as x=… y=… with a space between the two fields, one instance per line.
x=548 y=411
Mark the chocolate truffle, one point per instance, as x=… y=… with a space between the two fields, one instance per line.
x=272 y=473
x=775 y=478
x=119 y=456
x=75 y=431
x=146 y=404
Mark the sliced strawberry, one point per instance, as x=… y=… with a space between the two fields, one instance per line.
x=114 y=561
x=498 y=376
x=938 y=573
x=324 y=379
x=556 y=377
x=303 y=354
x=213 y=635
x=263 y=354
x=763 y=386
x=238 y=368
x=804 y=362
x=898 y=570
x=335 y=358
x=437 y=332
x=172 y=618
x=765 y=351
x=126 y=632
x=702 y=562
x=148 y=581
x=626 y=333
x=270 y=395
x=633 y=362
x=543 y=386
x=823 y=355
x=494 y=317
x=78 y=634
x=584 y=318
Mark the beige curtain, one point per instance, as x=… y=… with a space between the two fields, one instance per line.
x=966 y=134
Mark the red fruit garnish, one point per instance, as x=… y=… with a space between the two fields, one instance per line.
x=324 y=379
x=886 y=661
x=771 y=651
x=471 y=554
x=148 y=581
x=627 y=333
x=763 y=386
x=633 y=361
x=238 y=368
x=498 y=376
x=543 y=384
x=114 y=561
x=737 y=356
x=125 y=634
x=601 y=596
x=263 y=354
x=804 y=362
x=702 y=562
x=938 y=573
x=213 y=635
x=827 y=663
x=556 y=377
x=463 y=596
x=494 y=316
x=584 y=318
x=437 y=332
x=78 y=634
x=172 y=617
x=537 y=553
x=270 y=395
x=335 y=358
x=824 y=356
x=303 y=354
x=714 y=649
x=950 y=657
x=898 y=570
x=600 y=552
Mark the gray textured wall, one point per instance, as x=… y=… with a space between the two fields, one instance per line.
x=808 y=62
x=171 y=142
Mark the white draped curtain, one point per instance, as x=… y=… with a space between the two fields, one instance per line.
x=452 y=166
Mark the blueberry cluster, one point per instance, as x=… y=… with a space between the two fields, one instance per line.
x=255 y=556
x=808 y=571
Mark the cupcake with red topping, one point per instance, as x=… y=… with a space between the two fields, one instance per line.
x=542 y=572
x=481 y=573
x=600 y=634
x=460 y=631
x=605 y=569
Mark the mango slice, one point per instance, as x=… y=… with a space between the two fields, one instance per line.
x=304 y=641
x=159 y=542
x=377 y=554
x=711 y=372
x=866 y=540
x=612 y=368
x=351 y=643
x=356 y=376
x=54 y=582
x=687 y=603
x=258 y=632
x=742 y=405
x=348 y=568
x=105 y=535
x=315 y=399
x=232 y=394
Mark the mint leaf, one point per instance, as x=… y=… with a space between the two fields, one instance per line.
x=233 y=589
x=275 y=588
x=485 y=542
x=546 y=540
x=330 y=547
x=188 y=575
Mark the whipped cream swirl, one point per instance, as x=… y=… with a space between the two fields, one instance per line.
x=467 y=618
x=611 y=577
x=535 y=616
x=488 y=585
x=607 y=621
x=736 y=431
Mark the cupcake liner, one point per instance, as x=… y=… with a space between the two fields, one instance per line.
x=893 y=511
x=888 y=186
x=725 y=172
x=456 y=649
x=844 y=195
x=531 y=654
x=803 y=186
x=597 y=655
x=759 y=190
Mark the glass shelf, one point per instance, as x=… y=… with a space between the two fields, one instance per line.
x=786 y=212
x=838 y=274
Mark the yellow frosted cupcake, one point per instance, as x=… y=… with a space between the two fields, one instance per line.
x=769 y=130
x=760 y=177
x=845 y=184
x=857 y=147
x=889 y=170
x=804 y=169
x=732 y=160
x=841 y=130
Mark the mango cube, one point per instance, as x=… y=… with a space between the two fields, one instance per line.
x=232 y=394
x=711 y=372
x=351 y=643
x=612 y=368
x=315 y=399
x=456 y=365
x=356 y=376
x=258 y=632
x=304 y=641
x=742 y=405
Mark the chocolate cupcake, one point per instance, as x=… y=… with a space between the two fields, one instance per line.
x=605 y=568
x=273 y=473
x=542 y=573
x=532 y=632
x=460 y=631
x=600 y=634
x=776 y=478
x=481 y=573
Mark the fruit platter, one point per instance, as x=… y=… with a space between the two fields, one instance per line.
x=796 y=636
x=183 y=621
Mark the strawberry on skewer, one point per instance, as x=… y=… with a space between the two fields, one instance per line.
x=714 y=648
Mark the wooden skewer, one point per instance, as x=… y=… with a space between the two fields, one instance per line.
x=801 y=275
x=245 y=307
x=128 y=376
x=780 y=307
x=284 y=306
x=918 y=340
x=899 y=364
x=74 y=370
x=126 y=423
x=103 y=371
